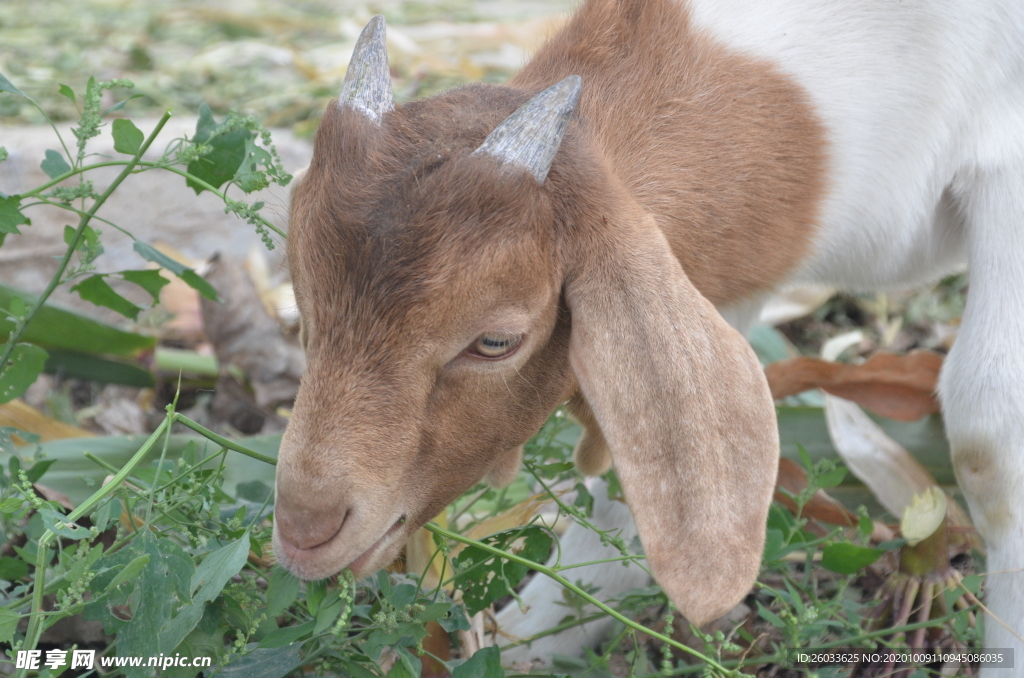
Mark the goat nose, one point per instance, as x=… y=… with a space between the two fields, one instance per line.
x=302 y=530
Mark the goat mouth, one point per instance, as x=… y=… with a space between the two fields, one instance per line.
x=361 y=561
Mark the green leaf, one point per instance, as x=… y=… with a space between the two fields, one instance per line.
x=770 y=616
x=59 y=525
x=54 y=164
x=831 y=478
x=89 y=242
x=249 y=176
x=485 y=578
x=12 y=569
x=282 y=590
x=316 y=591
x=207 y=582
x=17 y=307
x=329 y=611
x=150 y=253
x=584 y=499
x=21 y=370
x=774 y=546
x=265 y=663
x=846 y=558
x=129 y=572
x=55 y=327
x=485 y=663
x=119 y=105
x=96 y=290
x=69 y=93
x=38 y=469
x=228 y=151
x=163 y=582
x=86 y=367
x=6 y=86
x=287 y=635
x=127 y=137
x=10 y=216
x=407 y=666
x=8 y=620
x=151 y=281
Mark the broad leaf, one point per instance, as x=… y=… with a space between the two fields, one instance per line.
x=282 y=590
x=55 y=327
x=75 y=365
x=485 y=578
x=846 y=558
x=54 y=164
x=249 y=176
x=150 y=253
x=275 y=663
x=59 y=525
x=151 y=281
x=163 y=581
x=127 y=137
x=287 y=635
x=69 y=93
x=8 y=620
x=228 y=151
x=207 y=582
x=10 y=216
x=88 y=243
x=129 y=572
x=96 y=290
x=7 y=86
x=485 y=663
x=12 y=569
x=21 y=370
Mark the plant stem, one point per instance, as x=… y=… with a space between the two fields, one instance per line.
x=221 y=440
x=548 y=572
x=19 y=329
x=35 y=630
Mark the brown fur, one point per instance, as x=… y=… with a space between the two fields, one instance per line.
x=404 y=248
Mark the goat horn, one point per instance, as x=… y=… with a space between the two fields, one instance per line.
x=530 y=137
x=367 y=86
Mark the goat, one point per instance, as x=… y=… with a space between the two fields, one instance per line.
x=464 y=263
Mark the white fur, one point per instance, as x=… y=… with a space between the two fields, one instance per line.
x=923 y=104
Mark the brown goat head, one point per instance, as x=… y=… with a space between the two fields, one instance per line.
x=455 y=287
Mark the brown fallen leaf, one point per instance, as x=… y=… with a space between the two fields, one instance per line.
x=24 y=417
x=892 y=474
x=893 y=386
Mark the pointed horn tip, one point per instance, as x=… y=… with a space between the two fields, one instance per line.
x=373 y=31
x=567 y=89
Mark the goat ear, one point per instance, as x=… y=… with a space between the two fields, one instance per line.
x=685 y=409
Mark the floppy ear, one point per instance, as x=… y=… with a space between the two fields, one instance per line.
x=684 y=407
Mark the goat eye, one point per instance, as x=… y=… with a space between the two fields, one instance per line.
x=495 y=345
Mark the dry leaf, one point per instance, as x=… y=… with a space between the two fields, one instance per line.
x=898 y=387
x=24 y=417
x=892 y=474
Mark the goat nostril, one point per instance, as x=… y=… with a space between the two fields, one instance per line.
x=307 y=537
